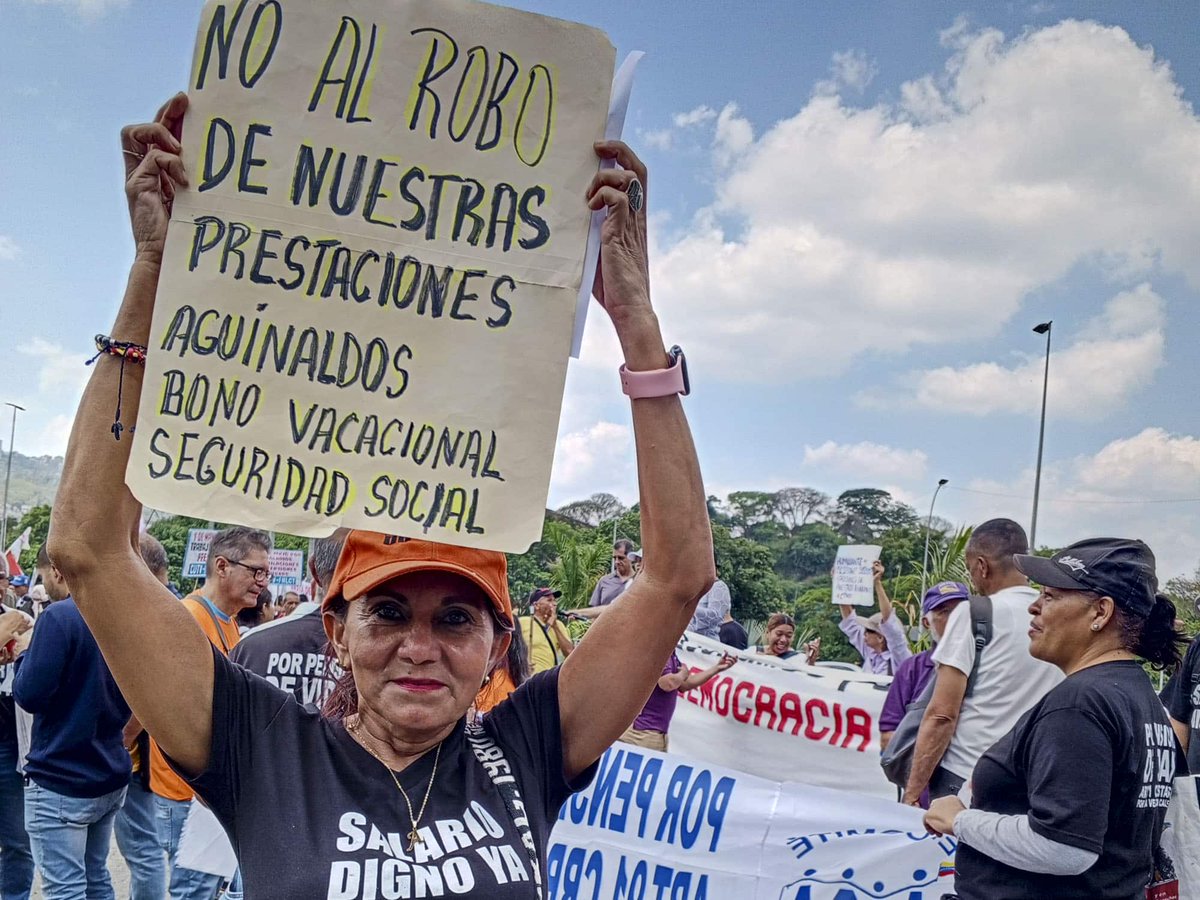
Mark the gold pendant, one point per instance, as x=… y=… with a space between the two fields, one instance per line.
x=414 y=838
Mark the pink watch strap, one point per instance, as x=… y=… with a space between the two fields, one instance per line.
x=654 y=383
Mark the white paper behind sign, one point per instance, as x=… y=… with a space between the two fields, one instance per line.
x=368 y=292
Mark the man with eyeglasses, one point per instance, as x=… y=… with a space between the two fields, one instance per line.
x=612 y=585
x=238 y=570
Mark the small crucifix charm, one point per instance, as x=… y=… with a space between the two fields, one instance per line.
x=414 y=838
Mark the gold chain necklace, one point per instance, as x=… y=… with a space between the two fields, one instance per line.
x=413 y=837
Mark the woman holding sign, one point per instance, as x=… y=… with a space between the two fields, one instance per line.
x=389 y=793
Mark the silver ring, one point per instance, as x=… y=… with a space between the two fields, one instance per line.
x=636 y=195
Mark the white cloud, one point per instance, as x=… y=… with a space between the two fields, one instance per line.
x=87 y=8
x=1116 y=354
x=61 y=372
x=867 y=461
x=660 y=139
x=692 y=118
x=8 y=248
x=734 y=135
x=1139 y=471
x=849 y=69
x=48 y=439
x=842 y=231
x=598 y=457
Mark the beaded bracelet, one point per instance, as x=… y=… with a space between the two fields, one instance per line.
x=135 y=353
x=127 y=351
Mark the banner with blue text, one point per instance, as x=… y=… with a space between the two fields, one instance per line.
x=656 y=826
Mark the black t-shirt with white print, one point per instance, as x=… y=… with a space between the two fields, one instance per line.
x=290 y=653
x=1181 y=697
x=1091 y=765
x=312 y=814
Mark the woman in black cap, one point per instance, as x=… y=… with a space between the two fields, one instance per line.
x=1071 y=802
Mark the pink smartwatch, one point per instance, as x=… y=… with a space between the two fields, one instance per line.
x=658 y=382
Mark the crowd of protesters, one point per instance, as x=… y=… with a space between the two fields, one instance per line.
x=1040 y=745
x=1016 y=741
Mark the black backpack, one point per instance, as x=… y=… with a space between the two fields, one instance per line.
x=896 y=760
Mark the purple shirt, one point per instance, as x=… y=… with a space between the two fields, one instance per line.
x=656 y=714
x=910 y=679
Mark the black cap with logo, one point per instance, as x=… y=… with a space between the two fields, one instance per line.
x=1115 y=567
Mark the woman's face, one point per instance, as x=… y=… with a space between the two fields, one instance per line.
x=1061 y=626
x=419 y=648
x=875 y=641
x=779 y=639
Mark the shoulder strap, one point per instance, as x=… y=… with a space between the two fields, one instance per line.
x=217 y=625
x=981 y=629
x=494 y=761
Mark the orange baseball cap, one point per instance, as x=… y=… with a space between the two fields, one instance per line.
x=369 y=559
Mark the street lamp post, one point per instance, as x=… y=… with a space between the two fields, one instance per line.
x=1044 y=328
x=942 y=482
x=7 y=476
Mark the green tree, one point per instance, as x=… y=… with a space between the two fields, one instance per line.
x=863 y=514
x=747 y=568
x=814 y=611
x=594 y=510
x=579 y=562
x=1184 y=592
x=172 y=531
x=809 y=553
x=749 y=508
x=796 y=505
x=37 y=520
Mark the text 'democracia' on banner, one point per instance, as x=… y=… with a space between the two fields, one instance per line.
x=367 y=293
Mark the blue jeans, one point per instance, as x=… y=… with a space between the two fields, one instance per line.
x=186 y=884
x=70 y=837
x=16 y=859
x=137 y=837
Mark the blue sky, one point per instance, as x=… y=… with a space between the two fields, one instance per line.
x=859 y=210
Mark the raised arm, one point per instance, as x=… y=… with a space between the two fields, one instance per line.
x=158 y=655
x=703 y=677
x=606 y=681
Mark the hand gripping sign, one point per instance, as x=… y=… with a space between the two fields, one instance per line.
x=368 y=291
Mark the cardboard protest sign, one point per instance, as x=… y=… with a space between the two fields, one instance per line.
x=287 y=566
x=367 y=294
x=853 y=580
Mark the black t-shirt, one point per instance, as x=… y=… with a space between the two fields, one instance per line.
x=1181 y=697
x=734 y=635
x=290 y=653
x=312 y=814
x=1091 y=765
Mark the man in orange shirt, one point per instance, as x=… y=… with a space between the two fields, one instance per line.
x=237 y=572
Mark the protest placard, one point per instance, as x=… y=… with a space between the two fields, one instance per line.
x=853 y=580
x=287 y=566
x=368 y=291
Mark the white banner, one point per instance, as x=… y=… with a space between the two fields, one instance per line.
x=783 y=720
x=287 y=566
x=656 y=826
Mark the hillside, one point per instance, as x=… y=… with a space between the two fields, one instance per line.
x=34 y=480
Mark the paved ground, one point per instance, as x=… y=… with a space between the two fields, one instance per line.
x=116 y=865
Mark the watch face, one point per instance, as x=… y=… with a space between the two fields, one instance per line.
x=677 y=357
